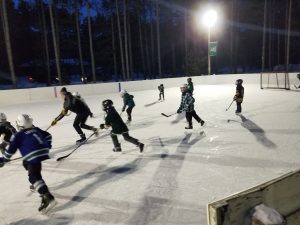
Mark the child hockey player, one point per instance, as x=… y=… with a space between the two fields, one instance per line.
x=187 y=105
x=239 y=95
x=33 y=144
x=161 y=92
x=190 y=85
x=128 y=101
x=298 y=76
x=114 y=120
x=6 y=130
x=81 y=110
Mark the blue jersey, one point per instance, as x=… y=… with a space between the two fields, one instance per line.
x=33 y=143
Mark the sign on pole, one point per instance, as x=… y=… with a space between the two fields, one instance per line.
x=212 y=48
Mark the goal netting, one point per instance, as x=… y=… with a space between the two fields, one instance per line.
x=275 y=80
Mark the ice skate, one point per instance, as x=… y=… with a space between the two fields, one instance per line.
x=188 y=127
x=31 y=188
x=117 y=149
x=82 y=139
x=96 y=131
x=202 y=123
x=48 y=202
x=141 y=147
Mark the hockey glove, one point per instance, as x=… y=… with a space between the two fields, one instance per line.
x=53 y=122
x=102 y=126
x=179 y=111
x=234 y=98
x=91 y=115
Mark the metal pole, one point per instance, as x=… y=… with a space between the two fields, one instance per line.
x=287 y=84
x=264 y=44
x=208 y=55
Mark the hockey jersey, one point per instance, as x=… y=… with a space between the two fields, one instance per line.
x=8 y=130
x=33 y=144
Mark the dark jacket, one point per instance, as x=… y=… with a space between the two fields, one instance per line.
x=8 y=130
x=75 y=105
x=239 y=94
x=128 y=101
x=190 y=87
x=114 y=120
x=161 y=89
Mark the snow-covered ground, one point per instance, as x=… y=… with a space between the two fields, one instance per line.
x=178 y=174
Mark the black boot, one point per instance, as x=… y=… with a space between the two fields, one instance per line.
x=189 y=127
x=47 y=203
x=202 y=122
x=82 y=139
x=141 y=147
x=117 y=149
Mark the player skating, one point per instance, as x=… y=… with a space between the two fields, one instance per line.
x=81 y=110
x=6 y=131
x=161 y=92
x=187 y=106
x=128 y=102
x=114 y=120
x=190 y=85
x=239 y=95
x=33 y=144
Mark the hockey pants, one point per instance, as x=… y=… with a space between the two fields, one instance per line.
x=35 y=177
x=79 y=123
x=126 y=137
x=189 y=116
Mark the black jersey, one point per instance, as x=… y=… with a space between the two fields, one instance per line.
x=114 y=120
x=7 y=130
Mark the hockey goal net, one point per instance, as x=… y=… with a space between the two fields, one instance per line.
x=275 y=80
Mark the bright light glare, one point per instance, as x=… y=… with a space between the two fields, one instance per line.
x=209 y=18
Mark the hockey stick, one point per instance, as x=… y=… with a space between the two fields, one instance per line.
x=229 y=105
x=63 y=157
x=168 y=115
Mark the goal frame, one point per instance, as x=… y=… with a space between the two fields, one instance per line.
x=275 y=80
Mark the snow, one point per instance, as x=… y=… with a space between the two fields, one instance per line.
x=178 y=174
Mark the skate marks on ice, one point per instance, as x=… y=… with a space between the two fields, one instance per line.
x=256 y=130
x=159 y=205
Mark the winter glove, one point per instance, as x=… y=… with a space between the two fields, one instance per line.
x=234 y=98
x=102 y=126
x=123 y=109
x=91 y=115
x=53 y=122
x=2 y=161
x=179 y=111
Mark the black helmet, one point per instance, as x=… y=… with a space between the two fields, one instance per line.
x=161 y=85
x=298 y=75
x=106 y=104
x=189 y=79
x=239 y=82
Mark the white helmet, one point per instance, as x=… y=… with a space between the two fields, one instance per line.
x=2 y=118
x=76 y=94
x=183 y=87
x=123 y=92
x=24 y=121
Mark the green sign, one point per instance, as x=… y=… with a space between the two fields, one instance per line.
x=212 y=48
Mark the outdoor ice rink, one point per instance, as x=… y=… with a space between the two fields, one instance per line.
x=178 y=173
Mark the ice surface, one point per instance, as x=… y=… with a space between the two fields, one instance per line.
x=178 y=174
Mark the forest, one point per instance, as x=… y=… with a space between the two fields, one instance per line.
x=62 y=42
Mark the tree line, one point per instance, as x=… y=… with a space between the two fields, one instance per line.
x=103 y=40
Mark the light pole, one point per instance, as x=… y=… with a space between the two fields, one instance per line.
x=209 y=19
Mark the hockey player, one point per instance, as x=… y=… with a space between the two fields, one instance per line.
x=239 y=95
x=77 y=95
x=298 y=76
x=81 y=110
x=187 y=105
x=33 y=144
x=128 y=101
x=190 y=85
x=114 y=120
x=161 y=92
x=6 y=130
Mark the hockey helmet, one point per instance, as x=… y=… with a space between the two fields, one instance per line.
x=123 y=92
x=107 y=104
x=183 y=87
x=63 y=90
x=3 y=118
x=76 y=94
x=24 y=121
x=298 y=75
x=238 y=82
x=189 y=79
